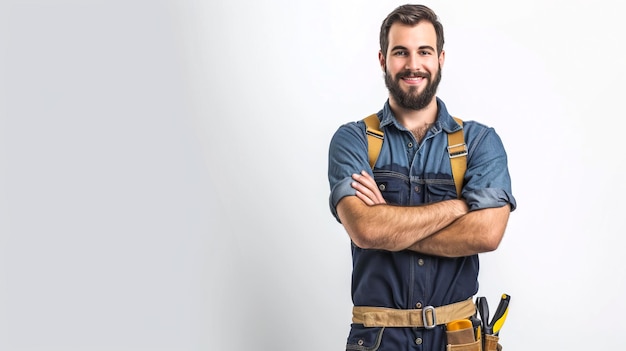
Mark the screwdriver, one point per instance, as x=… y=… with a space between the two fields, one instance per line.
x=501 y=312
x=483 y=310
x=476 y=324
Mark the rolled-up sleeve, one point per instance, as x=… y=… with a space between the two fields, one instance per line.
x=338 y=192
x=489 y=198
x=347 y=154
x=487 y=179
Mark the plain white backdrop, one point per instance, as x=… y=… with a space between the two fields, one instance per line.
x=163 y=168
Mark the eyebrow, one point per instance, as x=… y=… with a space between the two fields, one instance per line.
x=400 y=47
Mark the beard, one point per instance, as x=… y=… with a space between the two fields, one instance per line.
x=412 y=99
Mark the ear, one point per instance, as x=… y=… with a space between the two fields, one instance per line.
x=381 y=60
x=442 y=58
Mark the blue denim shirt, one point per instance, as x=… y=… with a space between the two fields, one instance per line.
x=411 y=173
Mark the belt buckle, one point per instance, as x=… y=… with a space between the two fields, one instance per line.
x=425 y=311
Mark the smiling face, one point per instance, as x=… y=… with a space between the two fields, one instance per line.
x=412 y=65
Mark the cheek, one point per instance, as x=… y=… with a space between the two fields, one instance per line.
x=394 y=67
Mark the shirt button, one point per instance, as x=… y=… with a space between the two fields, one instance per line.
x=418 y=341
x=417 y=189
x=382 y=187
x=410 y=144
x=420 y=262
x=418 y=305
x=360 y=342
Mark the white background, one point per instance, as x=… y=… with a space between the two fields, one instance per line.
x=163 y=168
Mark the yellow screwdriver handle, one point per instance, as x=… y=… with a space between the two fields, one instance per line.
x=498 y=324
x=500 y=316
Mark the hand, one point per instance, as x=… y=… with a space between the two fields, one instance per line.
x=366 y=189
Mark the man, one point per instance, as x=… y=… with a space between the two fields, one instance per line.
x=415 y=244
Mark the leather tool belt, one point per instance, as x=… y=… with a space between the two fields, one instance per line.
x=427 y=317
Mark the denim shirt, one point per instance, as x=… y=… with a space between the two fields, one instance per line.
x=410 y=173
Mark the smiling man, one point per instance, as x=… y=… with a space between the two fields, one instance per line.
x=405 y=61
x=416 y=236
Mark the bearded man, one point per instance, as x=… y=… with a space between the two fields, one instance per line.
x=415 y=237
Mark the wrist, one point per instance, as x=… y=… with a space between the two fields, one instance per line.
x=462 y=207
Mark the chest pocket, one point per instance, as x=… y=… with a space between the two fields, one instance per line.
x=439 y=190
x=393 y=186
x=398 y=190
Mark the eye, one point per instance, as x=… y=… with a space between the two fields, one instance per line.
x=400 y=53
x=424 y=52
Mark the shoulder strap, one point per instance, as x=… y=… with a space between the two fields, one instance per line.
x=458 y=156
x=374 y=138
x=457 y=149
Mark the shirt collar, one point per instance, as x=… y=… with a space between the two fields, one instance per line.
x=444 y=120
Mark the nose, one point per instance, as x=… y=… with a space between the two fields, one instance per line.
x=412 y=62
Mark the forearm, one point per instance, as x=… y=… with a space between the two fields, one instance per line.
x=476 y=232
x=395 y=228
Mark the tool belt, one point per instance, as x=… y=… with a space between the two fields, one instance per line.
x=427 y=317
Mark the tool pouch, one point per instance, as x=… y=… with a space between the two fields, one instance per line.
x=462 y=340
x=491 y=343
x=473 y=346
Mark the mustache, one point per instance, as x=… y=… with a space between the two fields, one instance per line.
x=418 y=74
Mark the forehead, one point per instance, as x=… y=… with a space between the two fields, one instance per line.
x=421 y=34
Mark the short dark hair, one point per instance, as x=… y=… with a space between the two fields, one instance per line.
x=410 y=15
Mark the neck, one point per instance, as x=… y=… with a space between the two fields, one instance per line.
x=415 y=119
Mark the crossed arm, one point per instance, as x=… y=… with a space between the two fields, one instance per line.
x=445 y=228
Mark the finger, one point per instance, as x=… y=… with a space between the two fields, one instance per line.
x=366 y=180
x=366 y=191
x=366 y=175
x=373 y=195
x=364 y=198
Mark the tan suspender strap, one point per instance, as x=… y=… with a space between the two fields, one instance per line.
x=458 y=156
x=390 y=317
x=374 y=138
x=457 y=149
